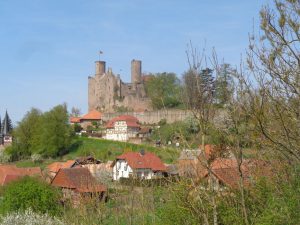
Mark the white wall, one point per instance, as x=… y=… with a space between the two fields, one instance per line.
x=122 y=169
x=120 y=132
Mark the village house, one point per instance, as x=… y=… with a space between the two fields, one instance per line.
x=88 y=119
x=100 y=170
x=225 y=172
x=190 y=163
x=53 y=168
x=74 y=120
x=90 y=163
x=142 y=165
x=122 y=128
x=9 y=173
x=78 y=185
x=194 y=163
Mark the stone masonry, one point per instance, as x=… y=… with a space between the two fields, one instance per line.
x=108 y=93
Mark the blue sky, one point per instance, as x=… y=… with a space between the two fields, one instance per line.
x=48 y=47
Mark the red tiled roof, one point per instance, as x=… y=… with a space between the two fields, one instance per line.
x=9 y=178
x=10 y=173
x=131 y=121
x=223 y=163
x=79 y=179
x=56 y=166
x=226 y=170
x=92 y=115
x=75 y=119
x=146 y=161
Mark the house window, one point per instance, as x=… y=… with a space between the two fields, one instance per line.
x=126 y=166
x=139 y=174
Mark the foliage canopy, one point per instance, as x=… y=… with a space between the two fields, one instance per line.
x=30 y=193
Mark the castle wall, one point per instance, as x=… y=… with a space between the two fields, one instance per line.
x=91 y=93
x=151 y=117
x=107 y=92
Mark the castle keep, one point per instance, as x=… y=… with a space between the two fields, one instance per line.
x=108 y=93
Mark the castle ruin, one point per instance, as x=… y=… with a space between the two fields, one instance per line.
x=108 y=93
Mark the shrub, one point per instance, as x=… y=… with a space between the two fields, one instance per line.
x=162 y=122
x=4 y=157
x=31 y=193
x=29 y=217
x=36 y=158
x=77 y=128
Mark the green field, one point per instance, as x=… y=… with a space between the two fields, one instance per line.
x=104 y=150
x=108 y=150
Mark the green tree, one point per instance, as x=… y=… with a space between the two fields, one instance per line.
x=30 y=193
x=163 y=90
x=55 y=133
x=224 y=84
x=24 y=133
x=274 y=62
x=199 y=92
x=77 y=128
x=48 y=134
x=76 y=112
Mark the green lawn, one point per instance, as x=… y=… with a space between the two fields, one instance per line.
x=108 y=150
x=103 y=150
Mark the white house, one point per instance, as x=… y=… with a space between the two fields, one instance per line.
x=122 y=128
x=143 y=165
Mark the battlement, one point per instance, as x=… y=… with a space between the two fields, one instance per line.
x=108 y=93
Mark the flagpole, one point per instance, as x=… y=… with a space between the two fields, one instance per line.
x=100 y=52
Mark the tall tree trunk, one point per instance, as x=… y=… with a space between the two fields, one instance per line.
x=203 y=141
x=215 y=213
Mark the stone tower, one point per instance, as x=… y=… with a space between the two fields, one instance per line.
x=108 y=93
x=100 y=67
x=136 y=71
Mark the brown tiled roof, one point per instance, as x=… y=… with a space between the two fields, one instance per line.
x=131 y=121
x=92 y=115
x=56 y=166
x=75 y=119
x=148 y=160
x=79 y=179
x=226 y=170
x=10 y=173
x=192 y=164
